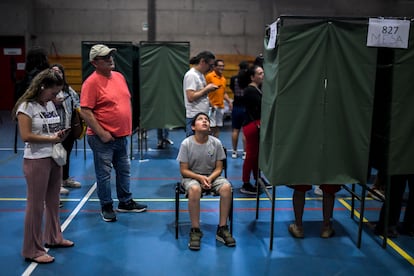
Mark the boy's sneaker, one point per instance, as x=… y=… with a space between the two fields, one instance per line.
x=234 y=154
x=195 y=239
x=244 y=155
x=108 y=213
x=223 y=235
x=71 y=183
x=131 y=206
x=248 y=189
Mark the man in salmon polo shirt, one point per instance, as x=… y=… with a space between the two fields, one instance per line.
x=106 y=108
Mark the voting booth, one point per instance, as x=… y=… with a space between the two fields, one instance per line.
x=321 y=121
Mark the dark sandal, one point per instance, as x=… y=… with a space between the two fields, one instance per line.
x=43 y=259
x=63 y=244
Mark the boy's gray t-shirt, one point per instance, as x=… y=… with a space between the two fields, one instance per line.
x=201 y=158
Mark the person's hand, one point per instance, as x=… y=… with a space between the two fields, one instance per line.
x=62 y=134
x=58 y=101
x=106 y=137
x=211 y=87
x=205 y=182
x=231 y=105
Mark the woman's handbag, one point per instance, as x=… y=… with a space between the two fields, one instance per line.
x=78 y=126
x=59 y=154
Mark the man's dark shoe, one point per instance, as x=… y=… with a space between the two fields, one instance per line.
x=131 y=207
x=223 y=235
x=392 y=231
x=108 y=213
x=195 y=239
x=248 y=189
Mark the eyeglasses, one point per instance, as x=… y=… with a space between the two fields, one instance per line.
x=107 y=57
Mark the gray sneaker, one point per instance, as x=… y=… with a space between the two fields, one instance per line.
x=108 y=213
x=223 y=235
x=71 y=183
x=195 y=239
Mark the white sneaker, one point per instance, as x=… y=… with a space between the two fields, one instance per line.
x=234 y=154
x=71 y=183
x=64 y=191
x=244 y=155
x=318 y=191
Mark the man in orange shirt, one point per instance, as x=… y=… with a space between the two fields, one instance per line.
x=217 y=97
x=106 y=108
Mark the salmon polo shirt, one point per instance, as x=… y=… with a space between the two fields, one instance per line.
x=110 y=101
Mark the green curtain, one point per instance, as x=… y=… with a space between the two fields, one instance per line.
x=162 y=66
x=317 y=104
x=401 y=150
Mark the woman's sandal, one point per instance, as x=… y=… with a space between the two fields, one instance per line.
x=63 y=244
x=43 y=259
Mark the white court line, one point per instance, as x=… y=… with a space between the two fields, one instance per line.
x=65 y=224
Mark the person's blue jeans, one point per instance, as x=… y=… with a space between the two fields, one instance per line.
x=105 y=155
x=162 y=133
x=188 y=130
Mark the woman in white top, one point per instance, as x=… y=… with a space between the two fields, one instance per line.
x=39 y=126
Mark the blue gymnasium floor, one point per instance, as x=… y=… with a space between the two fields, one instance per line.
x=144 y=244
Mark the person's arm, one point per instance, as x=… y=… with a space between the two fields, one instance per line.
x=25 y=129
x=228 y=100
x=193 y=95
x=217 y=171
x=232 y=83
x=89 y=117
x=205 y=181
x=187 y=173
x=75 y=97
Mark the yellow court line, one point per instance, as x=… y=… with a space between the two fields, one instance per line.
x=393 y=245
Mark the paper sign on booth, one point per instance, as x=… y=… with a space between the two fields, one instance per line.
x=390 y=33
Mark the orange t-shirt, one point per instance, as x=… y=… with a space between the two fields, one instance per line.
x=110 y=101
x=216 y=97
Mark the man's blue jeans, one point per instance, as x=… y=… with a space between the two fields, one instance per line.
x=188 y=128
x=105 y=155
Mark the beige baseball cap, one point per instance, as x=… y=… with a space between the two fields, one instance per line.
x=100 y=50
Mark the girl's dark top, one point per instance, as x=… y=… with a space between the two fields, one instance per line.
x=253 y=102
x=237 y=91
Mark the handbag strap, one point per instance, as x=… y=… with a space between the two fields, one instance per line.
x=44 y=120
